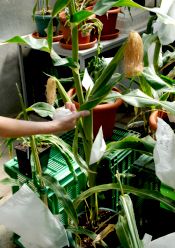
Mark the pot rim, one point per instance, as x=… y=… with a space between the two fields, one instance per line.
x=100 y=107
x=153 y=118
x=113 y=10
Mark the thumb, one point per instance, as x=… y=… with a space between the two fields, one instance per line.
x=80 y=114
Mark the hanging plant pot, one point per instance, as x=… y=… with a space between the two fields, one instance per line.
x=42 y=24
x=24 y=159
x=103 y=114
x=109 y=21
x=161 y=114
x=83 y=37
x=104 y=213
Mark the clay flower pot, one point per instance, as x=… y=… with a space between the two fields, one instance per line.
x=109 y=21
x=103 y=114
x=153 y=118
x=83 y=37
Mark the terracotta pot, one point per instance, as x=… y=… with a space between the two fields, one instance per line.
x=83 y=37
x=153 y=118
x=109 y=21
x=103 y=114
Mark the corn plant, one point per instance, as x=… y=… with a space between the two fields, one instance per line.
x=94 y=96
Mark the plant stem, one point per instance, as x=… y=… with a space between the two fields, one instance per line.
x=121 y=188
x=35 y=153
x=93 y=202
x=47 y=4
x=156 y=55
x=76 y=74
x=88 y=131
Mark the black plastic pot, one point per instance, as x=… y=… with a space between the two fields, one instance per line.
x=42 y=24
x=24 y=160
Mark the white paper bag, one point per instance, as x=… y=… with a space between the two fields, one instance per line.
x=25 y=214
x=164 y=153
x=167 y=241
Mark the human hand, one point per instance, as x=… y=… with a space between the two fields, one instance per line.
x=67 y=122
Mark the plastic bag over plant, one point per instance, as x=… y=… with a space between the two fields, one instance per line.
x=25 y=214
x=164 y=155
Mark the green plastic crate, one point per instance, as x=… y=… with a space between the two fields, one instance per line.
x=166 y=191
x=151 y=218
x=57 y=167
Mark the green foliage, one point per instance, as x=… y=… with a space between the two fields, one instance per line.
x=62 y=196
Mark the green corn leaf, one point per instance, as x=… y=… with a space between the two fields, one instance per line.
x=50 y=34
x=156 y=55
x=41 y=108
x=127 y=206
x=62 y=92
x=167 y=58
x=34 y=10
x=9 y=143
x=122 y=231
x=164 y=97
x=149 y=25
x=97 y=97
x=143 y=193
x=11 y=182
x=62 y=196
x=59 y=5
x=81 y=230
x=139 y=99
x=78 y=159
x=102 y=6
x=148 y=40
x=109 y=71
x=43 y=45
x=144 y=85
x=156 y=82
x=145 y=145
x=80 y=16
x=168 y=80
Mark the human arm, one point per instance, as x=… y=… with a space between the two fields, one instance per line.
x=12 y=128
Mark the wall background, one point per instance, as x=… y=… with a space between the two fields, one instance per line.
x=15 y=19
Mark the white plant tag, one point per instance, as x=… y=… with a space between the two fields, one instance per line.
x=25 y=214
x=87 y=81
x=98 y=147
x=61 y=112
x=164 y=153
